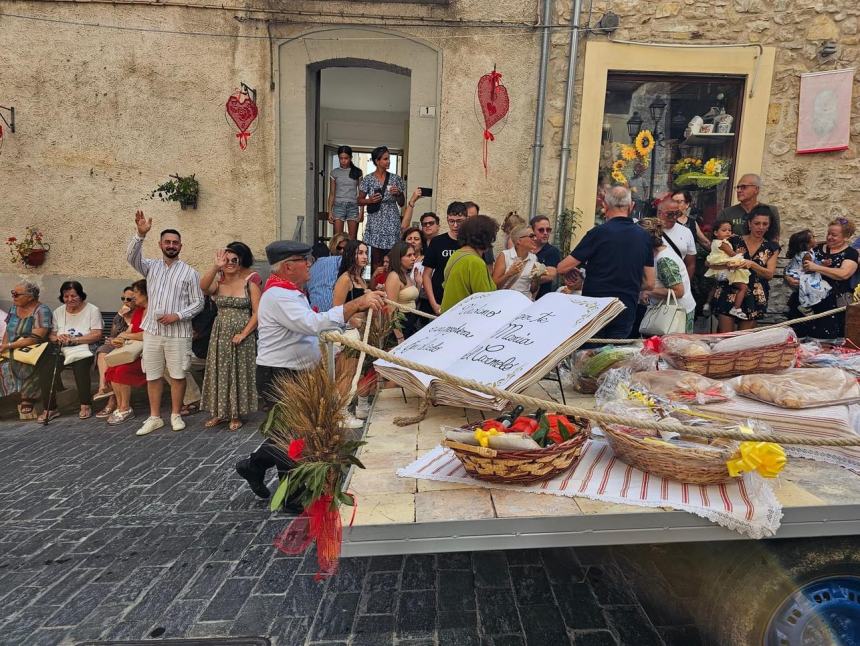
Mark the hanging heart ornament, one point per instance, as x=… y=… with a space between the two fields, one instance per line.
x=243 y=111
x=493 y=97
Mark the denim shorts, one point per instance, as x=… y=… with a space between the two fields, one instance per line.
x=345 y=211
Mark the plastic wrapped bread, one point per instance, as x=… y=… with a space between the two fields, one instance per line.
x=801 y=387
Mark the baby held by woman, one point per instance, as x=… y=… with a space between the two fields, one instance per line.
x=723 y=255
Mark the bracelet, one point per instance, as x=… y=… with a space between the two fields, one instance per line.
x=412 y=205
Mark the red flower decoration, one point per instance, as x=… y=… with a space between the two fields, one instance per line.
x=295 y=449
x=12 y=239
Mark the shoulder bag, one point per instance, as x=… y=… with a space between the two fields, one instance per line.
x=125 y=353
x=373 y=208
x=74 y=353
x=28 y=355
x=664 y=318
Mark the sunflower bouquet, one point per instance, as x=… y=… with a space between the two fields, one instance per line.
x=690 y=171
x=633 y=159
x=306 y=425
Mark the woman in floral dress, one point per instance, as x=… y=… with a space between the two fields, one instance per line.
x=382 y=230
x=229 y=385
x=760 y=256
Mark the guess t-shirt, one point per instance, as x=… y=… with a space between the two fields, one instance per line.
x=441 y=248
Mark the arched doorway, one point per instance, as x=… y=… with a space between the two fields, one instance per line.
x=315 y=66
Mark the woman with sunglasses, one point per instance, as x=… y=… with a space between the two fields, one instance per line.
x=27 y=323
x=518 y=268
x=121 y=322
x=229 y=384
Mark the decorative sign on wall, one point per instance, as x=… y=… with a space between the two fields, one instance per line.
x=493 y=99
x=242 y=109
x=824 y=118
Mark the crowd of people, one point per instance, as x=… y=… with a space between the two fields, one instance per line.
x=250 y=332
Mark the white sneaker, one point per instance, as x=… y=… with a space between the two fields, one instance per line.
x=176 y=422
x=151 y=424
x=351 y=421
x=738 y=313
x=362 y=408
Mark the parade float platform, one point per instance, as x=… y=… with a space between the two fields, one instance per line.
x=400 y=515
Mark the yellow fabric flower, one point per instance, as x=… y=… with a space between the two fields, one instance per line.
x=483 y=437
x=711 y=167
x=628 y=152
x=644 y=143
x=767 y=458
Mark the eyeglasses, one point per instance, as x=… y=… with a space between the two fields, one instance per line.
x=17 y=294
x=456 y=219
x=741 y=187
x=231 y=261
x=299 y=259
x=126 y=299
x=544 y=230
x=529 y=235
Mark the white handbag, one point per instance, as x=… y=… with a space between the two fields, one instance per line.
x=667 y=317
x=126 y=353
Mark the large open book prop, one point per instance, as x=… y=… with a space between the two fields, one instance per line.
x=499 y=338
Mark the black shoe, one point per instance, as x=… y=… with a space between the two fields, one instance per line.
x=243 y=468
x=292 y=506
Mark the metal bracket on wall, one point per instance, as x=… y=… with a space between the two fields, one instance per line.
x=251 y=92
x=11 y=122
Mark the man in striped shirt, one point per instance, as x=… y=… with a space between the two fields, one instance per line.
x=174 y=298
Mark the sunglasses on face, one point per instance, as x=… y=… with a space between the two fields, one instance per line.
x=127 y=299
x=341 y=247
x=231 y=261
x=546 y=230
x=741 y=187
x=428 y=224
x=529 y=235
x=17 y=294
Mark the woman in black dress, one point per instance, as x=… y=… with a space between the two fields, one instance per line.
x=760 y=255
x=836 y=261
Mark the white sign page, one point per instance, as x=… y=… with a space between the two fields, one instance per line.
x=440 y=343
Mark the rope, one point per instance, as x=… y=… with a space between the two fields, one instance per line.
x=411 y=310
x=597 y=416
x=353 y=387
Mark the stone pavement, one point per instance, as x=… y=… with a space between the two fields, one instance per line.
x=105 y=535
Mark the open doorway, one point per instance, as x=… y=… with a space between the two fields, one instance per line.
x=361 y=107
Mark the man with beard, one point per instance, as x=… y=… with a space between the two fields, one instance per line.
x=174 y=298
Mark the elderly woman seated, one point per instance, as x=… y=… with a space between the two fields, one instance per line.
x=28 y=323
x=75 y=334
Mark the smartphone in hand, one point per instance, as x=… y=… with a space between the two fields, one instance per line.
x=426 y=192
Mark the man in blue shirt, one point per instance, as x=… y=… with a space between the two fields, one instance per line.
x=547 y=254
x=619 y=261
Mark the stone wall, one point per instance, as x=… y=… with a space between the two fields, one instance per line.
x=809 y=189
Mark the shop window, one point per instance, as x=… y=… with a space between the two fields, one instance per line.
x=670 y=132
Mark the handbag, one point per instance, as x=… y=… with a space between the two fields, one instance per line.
x=664 y=318
x=373 y=208
x=74 y=353
x=29 y=355
x=124 y=354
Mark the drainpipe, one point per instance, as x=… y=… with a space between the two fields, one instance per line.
x=537 y=147
x=572 y=59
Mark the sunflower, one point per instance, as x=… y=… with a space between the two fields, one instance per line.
x=710 y=167
x=628 y=152
x=619 y=177
x=618 y=166
x=644 y=143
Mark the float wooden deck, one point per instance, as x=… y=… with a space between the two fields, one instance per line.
x=406 y=515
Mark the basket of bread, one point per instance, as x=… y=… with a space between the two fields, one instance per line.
x=728 y=355
x=518 y=449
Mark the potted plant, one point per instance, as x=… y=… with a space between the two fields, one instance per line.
x=29 y=251
x=184 y=190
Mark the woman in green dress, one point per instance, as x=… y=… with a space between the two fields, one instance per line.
x=229 y=385
x=28 y=323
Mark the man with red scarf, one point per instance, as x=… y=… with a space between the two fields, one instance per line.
x=287 y=329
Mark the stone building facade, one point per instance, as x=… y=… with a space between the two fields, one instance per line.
x=111 y=98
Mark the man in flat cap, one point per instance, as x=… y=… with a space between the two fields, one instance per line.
x=288 y=329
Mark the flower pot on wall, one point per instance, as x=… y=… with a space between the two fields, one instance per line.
x=36 y=257
x=190 y=204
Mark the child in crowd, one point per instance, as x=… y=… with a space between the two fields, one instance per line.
x=572 y=282
x=377 y=281
x=811 y=288
x=722 y=253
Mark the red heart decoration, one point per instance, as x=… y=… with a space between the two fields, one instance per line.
x=493 y=99
x=242 y=113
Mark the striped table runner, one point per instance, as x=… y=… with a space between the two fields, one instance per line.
x=747 y=506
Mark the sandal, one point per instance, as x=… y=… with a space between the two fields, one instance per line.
x=47 y=416
x=212 y=423
x=236 y=424
x=26 y=411
x=106 y=411
x=86 y=412
x=102 y=394
x=190 y=409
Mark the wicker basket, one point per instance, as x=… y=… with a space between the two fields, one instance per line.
x=682 y=463
x=518 y=467
x=721 y=365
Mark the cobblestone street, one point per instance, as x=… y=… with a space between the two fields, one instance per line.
x=105 y=535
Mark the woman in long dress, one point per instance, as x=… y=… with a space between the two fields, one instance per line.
x=229 y=385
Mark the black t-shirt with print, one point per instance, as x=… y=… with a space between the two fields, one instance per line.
x=441 y=248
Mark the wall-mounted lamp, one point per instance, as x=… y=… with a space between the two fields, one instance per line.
x=10 y=123
x=827 y=49
x=634 y=125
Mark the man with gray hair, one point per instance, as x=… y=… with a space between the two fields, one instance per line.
x=619 y=261
x=747 y=190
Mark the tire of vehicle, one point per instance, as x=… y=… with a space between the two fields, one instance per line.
x=755 y=600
